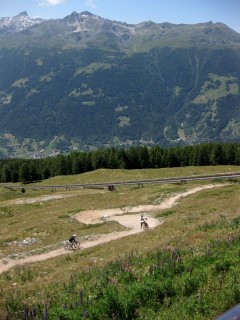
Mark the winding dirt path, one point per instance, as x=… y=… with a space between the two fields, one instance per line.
x=129 y=217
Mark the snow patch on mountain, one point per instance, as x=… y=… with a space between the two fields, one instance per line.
x=18 y=23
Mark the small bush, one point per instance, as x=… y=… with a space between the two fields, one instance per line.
x=221 y=266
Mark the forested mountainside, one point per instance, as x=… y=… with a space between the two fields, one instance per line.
x=84 y=82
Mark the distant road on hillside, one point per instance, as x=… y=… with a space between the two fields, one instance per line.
x=132 y=182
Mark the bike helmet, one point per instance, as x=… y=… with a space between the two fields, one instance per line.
x=74 y=235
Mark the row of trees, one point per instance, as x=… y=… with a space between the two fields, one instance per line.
x=30 y=170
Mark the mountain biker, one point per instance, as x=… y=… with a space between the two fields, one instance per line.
x=145 y=224
x=142 y=221
x=73 y=239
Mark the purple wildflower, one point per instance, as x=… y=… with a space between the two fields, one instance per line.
x=81 y=296
x=85 y=314
x=45 y=312
x=31 y=314
x=190 y=271
x=25 y=312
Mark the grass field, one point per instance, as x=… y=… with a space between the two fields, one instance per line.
x=52 y=222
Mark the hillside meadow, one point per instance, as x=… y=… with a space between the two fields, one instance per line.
x=193 y=253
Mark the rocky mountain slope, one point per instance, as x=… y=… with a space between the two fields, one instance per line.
x=18 y=23
x=84 y=81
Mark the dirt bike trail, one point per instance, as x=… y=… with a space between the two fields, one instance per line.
x=129 y=217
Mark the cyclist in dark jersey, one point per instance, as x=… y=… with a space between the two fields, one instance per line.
x=72 y=239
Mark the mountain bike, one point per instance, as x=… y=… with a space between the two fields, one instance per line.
x=145 y=225
x=72 y=246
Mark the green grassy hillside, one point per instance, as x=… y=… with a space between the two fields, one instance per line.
x=187 y=266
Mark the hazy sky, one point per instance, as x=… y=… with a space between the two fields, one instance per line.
x=132 y=11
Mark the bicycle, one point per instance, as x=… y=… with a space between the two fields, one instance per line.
x=72 y=246
x=145 y=225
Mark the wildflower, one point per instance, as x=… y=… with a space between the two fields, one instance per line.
x=151 y=270
x=31 y=314
x=81 y=296
x=25 y=312
x=45 y=312
x=190 y=271
x=85 y=315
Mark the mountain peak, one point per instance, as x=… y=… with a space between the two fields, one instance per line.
x=74 y=14
x=18 y=22
x=22 y=14
x=76 y=17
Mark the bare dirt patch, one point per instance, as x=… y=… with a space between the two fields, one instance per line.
x=39 y=199
x=129 y=217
